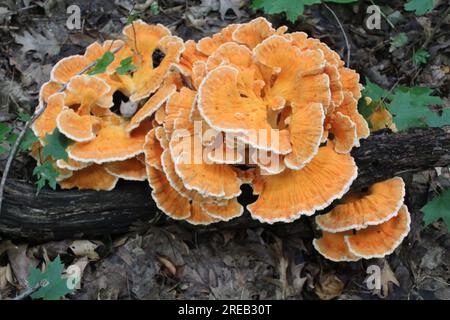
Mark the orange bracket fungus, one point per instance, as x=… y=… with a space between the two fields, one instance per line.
x=249 y=105
x=378 y=218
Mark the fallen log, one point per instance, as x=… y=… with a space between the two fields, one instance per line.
x=72 y=214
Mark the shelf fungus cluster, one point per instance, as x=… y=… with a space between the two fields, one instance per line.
x=365 y=225
x=249 y=105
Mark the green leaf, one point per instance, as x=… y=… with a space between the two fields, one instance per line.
x=409 y=107
x=398 y=41
x=24 y=117
x=45 y=173
x=28 y=140
x=56 y=144
x=131 y=18
x=293 y=9
x=438 y=208
x=435 y=120
x=419 y=6
x=126 y=65
x=421 y=56
x=374 y=91
x=154 y=8
x=102 y=63
x=55 y=286
x=4 y=132
x=341 y=1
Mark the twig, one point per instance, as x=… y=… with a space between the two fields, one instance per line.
x=40 y=109
x=343 y=32
x=31 y=290
x=383 y=15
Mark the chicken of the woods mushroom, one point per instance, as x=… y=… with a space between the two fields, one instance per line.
x=249 y=105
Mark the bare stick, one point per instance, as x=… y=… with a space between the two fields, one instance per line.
x=28 y=124
x=343 y=32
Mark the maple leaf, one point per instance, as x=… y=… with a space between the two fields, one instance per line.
x=374 y=91
x=293 y=9
x=56 y=144
x=438 y=208
x=410 y=107
x=102 y=63
x=419 y=6
x=421 y=56
x=398 y=41
x=53 y=285
x=45 y=173
x=126 y=65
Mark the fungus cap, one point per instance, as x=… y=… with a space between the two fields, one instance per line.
x=380 y=240
x=286 y=196
x=130 y=169
x=344 y=132
x=167 y=199
x=67 y=68
x=93 y=177
x=381 y=203
x=112 y=143
x=151 y=106
x=217 y=180
x=224 y=212
x=225 y=106
x=46 y=122
x=78 y=128
x=333 y=247
x=306 y=129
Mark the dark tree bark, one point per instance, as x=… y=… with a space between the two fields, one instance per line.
x=71 y=213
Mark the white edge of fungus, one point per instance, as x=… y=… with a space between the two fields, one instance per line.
x=368 y=223
x=394 y=246
x=324 y=254
x=52 y=72
x=298 y=215
x=70 y=136
x=221 y=218
x=303 y=163
x=136 y=122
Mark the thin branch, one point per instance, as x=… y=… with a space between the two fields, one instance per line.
x=30 y=290
x=347 y=44
x=40 y=109
x=383 y=15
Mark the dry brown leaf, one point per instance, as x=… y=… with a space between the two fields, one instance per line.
x=20 y=263
x=5 y=245
x=387 y=276
x=165 y=261
x=85 y=248
x=329 y=287
x=233 y=5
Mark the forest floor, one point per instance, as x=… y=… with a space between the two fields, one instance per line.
x=258 y=263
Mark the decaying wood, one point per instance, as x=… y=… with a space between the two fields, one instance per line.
x=71 y=213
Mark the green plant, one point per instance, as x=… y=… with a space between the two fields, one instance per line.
x=45 y=173
x=56 y=144
x=102 y=63
x=398 y=41
x=55 y=148
x=438 y=208
x=126 y=65
x=421 y=56
x=420 y=7
x=8 y=136
x=52 y=285
x=292 y=8
x=408 y=105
